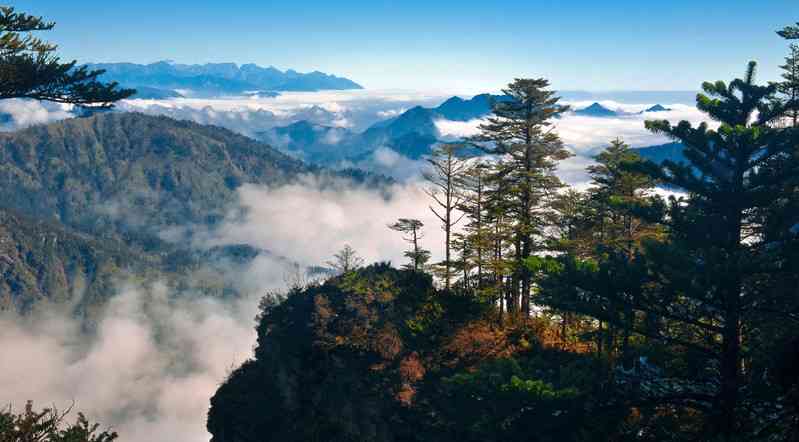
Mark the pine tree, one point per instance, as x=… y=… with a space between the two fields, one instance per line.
x=520 y=134
x=619 y=195
x=789 y=32
x=503 y=250
x=574 y=225
x=701 y=291
x=345 y=260
x=714 y=232
x=473 y=185
x=29 y=67
x=464 y=261
x=789 y=87
x=607 y=227
x=49 y=425
x=412 y=234
x=447 y=168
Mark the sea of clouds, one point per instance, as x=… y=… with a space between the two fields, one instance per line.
x=155 y=360
x=355 y=110
x=586 y=136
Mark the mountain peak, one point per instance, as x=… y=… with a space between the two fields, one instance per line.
x=596 y=110
x=657 y=108
x=453 y=100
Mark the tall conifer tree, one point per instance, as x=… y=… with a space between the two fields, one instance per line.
x=521 y=135
x=709 y=274
x=29 y=67
x=447 y=167
x=412 y=233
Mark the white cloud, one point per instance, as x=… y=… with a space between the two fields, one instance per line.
x=388 y=162
x=332 y=137
x=24 y=113
x=356 y=109
x=585 y=133
x=390 y=113
x=309 y=222
x=147 y=373
x=459 y=129
x=573 y=171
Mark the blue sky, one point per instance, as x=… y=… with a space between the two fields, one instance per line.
x=444 y=45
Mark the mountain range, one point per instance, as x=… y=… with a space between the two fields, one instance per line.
x=599 y=111
x=213 y=79
x=411 y=134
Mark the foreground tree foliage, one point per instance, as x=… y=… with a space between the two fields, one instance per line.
x=610 y=314
x=704 y=300
x=49 y=425
x=29 y=67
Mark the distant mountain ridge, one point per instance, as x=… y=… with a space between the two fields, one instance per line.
x=411 y=134
x=219 y=78
x=600 y=111
x=656 y=108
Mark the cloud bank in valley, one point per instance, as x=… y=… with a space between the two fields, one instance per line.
x=147 y=373
x=309 y=221
x=156 y=359
x=355 y=110
x=585 y=134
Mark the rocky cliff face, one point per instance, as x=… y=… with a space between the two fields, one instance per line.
x=348 y=360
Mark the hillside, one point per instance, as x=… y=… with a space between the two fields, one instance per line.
x=43 y=260
x=123 y=171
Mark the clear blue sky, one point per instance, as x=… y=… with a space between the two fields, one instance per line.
x=589 y=45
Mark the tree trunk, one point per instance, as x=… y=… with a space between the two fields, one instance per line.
x=731 y=331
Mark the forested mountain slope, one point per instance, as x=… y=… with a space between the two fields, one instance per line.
x=43 y=260
x=117 y=171
x=85 y=200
